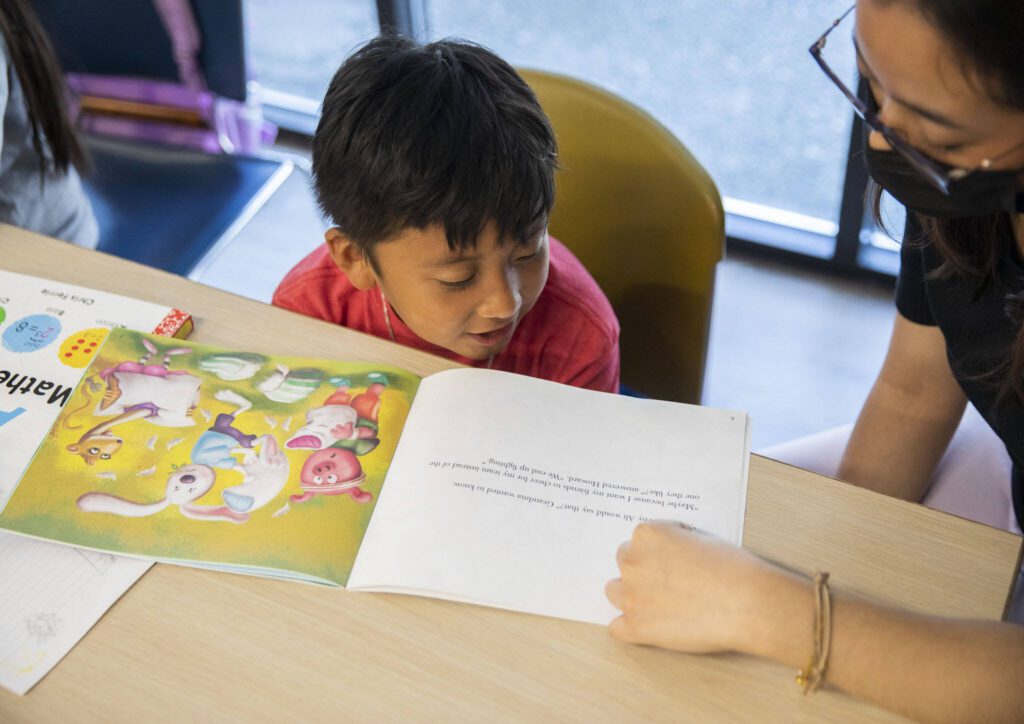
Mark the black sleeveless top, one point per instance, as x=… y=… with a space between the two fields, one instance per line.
x=979 y=330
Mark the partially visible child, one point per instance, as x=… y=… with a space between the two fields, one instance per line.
x=436 y=165
x=40 y=154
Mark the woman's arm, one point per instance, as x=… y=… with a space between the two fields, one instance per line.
x=690 y=592
x=909 y=416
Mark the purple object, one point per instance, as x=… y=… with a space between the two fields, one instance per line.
x=232 y=127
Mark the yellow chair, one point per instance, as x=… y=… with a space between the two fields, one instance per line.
x=646 y=220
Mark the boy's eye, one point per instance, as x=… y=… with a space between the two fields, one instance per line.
x=456 y=286
x=528 y=257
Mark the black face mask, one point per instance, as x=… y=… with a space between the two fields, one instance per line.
x=978 y=194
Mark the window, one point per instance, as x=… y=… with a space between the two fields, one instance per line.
x=295 y=47
x=733 y=81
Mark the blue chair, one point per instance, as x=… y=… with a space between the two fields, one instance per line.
x=175 y=209
x=166 y=207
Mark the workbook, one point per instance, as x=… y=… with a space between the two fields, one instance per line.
x=49 y=332
x=469 y=484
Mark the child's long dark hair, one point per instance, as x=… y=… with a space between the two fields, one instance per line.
x=42 y=84
x=986 y=35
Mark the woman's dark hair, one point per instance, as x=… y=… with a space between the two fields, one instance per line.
x=42 y=85
x=986 y=36
x=412 y=136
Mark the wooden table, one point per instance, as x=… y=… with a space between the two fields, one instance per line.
x=187 y=645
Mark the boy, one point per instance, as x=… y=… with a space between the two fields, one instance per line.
x=436 y=164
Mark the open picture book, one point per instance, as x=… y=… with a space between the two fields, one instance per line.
x=470 y=484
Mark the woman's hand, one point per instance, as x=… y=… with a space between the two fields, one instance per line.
x=685 y=590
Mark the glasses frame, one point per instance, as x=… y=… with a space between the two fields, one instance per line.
x=938 y=175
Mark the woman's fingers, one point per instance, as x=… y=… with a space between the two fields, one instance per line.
x=620 y=629
x=613 y=591
x=621 y=553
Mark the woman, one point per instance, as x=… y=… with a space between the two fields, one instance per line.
x=39 y=186
x=943 y=97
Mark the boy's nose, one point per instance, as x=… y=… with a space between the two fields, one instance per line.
x=501 y=301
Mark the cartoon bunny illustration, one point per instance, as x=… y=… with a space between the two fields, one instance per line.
x=184 y=486
x=264 y=476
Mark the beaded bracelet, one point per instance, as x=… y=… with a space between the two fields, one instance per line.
x=813 y=676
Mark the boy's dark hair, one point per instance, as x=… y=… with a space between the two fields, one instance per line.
x=442 y=134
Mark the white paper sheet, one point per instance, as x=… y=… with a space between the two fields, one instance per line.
x=516 y=492
x=50 y=596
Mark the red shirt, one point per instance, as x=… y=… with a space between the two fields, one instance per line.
x=571 y=335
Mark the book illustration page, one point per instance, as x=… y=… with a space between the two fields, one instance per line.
x=185 y=452
x=516 y=492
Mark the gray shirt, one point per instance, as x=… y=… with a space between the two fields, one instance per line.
x=58 y=207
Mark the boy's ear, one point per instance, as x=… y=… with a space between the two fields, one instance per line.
x=350 y=259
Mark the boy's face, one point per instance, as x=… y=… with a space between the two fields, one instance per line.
x=469 y=302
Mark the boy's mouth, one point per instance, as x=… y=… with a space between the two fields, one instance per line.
x=494 y=337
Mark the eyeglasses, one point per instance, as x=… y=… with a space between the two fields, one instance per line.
x=938 y=174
